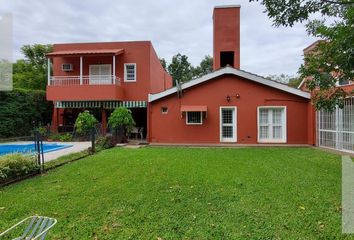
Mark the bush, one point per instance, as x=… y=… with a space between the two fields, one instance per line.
x=15 y=165
x=20 y=108
x=66 y=137
x=85 y=122
x=105 y=142
x=43 y=131
x=121 y=117
x=122 y=122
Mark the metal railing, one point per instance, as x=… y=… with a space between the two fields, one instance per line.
x=336 y=129
x=85 y=80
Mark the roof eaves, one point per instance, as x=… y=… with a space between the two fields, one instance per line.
x=236 y=72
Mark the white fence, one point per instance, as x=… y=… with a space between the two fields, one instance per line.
x=336 y=129
x=86 y=80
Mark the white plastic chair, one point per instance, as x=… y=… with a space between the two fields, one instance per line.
x=37 y=228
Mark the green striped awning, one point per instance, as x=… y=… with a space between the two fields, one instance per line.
x=100 y=104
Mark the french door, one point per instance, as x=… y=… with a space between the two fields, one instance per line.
x=228 y=123
x=100 y=74
x=272 y=124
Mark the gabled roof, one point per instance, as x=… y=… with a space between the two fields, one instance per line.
x=232 y=71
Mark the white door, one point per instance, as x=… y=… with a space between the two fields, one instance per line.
x=100 y=74
x=228 y=124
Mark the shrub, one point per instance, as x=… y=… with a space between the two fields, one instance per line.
x=43 y=131
x=105 y=142
x=66 y=137
x=85 y=122
x=121 y=117
x=15 y=165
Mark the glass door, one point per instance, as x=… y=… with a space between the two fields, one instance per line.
x=228 y=124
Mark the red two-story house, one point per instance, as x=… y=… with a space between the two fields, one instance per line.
x=229 y=105
x=102 y=76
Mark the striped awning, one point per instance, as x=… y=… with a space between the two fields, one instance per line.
x=100 y=104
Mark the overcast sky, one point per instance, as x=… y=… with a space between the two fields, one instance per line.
x=183 y=26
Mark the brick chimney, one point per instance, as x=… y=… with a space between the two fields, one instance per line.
x=226 y=36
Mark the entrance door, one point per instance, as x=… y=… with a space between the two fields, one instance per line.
x=100 y=74
x=228 y=124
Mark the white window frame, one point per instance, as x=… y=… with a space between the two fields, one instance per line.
x=201 y=118
x=96 y=79
x=234 y=124
x=69 y=69
x=125 y=72
x=270 y=125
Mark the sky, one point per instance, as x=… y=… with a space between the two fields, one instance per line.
x=183 y=26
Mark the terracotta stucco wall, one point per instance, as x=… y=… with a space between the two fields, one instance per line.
x=171 y=127
x=160 y=80
x=226 y=34
x=134 y=52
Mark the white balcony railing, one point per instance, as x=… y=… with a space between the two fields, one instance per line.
x=85 y=80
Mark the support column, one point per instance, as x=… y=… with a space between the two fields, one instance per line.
x=81 y=60
x=48 y=66
x=55 y=120
x=104 y=121
x=114 y=69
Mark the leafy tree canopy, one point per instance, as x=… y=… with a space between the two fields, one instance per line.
x=85 y=122
x=163 y=63
x=121 y=117
x=205 y=67
x=332 y=59
x=292 y=81
x=182 y=70
x=31 y=72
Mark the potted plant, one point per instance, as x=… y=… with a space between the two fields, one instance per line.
x=121 y=120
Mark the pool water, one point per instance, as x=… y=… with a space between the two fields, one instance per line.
x=28 y=148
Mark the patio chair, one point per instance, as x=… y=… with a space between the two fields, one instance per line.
x=37 y=228
x=141 y=133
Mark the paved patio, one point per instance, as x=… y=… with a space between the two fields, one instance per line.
x=76 y=147
x=49 y=156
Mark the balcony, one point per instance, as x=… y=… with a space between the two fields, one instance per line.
x=84 y=88
x=84 y=80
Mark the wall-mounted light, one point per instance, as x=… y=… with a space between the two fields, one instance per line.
x=228 y=97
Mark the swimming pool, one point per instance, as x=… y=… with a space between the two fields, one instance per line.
x=28 y=148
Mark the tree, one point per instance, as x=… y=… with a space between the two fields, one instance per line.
x=121 y=120
x=180 y=68
x=332 y=59
x=205 y=67
x=85 y=122
x=292 y=81
x=31 y=72
x=163 y=63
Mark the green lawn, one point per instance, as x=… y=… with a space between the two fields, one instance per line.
x=186 y=193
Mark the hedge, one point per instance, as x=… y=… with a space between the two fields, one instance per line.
x=16 y=165
x=20 y=109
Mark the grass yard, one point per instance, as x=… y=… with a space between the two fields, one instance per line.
x=186 y=193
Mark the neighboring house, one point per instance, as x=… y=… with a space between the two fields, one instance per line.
x=102 y=76
x=230 y=105
x=335 y=129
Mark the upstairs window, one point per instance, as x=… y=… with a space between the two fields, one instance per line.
x=130 y=72
x=194 y=118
